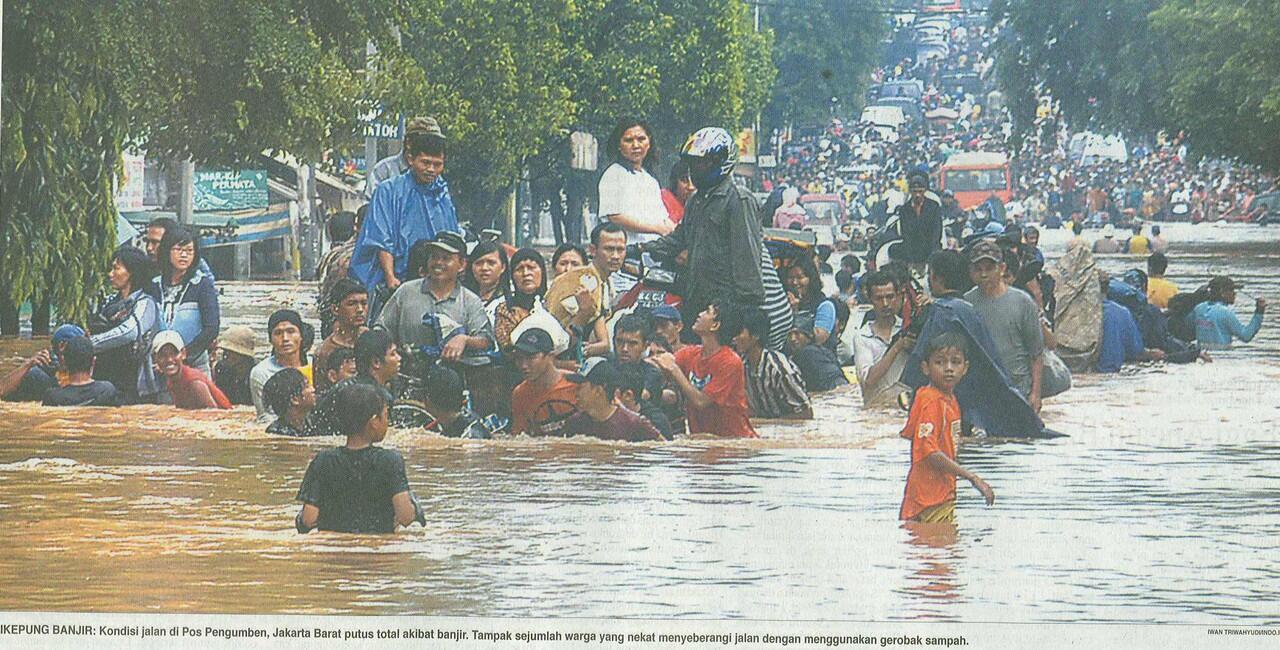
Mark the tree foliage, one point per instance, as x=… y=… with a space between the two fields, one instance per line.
x=1099 y=59
x=507 y=80
x=63 y=129
x=822 y=49
x=1205 y=68
x=1224 y=91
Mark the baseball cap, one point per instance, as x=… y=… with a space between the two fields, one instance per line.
x=666 y=312
x=985 y=249
x=535 y=341
x=167 y=337
x=238 y=339
x=67 y=332
x=424 y=125
x=597 y=370
x=449 y=241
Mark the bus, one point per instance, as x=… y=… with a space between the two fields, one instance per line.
x=974 y=177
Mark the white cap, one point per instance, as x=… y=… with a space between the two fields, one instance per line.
x=167 y=337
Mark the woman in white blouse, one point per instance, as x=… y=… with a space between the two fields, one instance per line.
x=630 y=196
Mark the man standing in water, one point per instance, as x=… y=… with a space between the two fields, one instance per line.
x=1012 y=318
x=1216 y=323
x=285 y=328
x=711 y=376
x=377 y=363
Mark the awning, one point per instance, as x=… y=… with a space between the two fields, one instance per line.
x=228 y=227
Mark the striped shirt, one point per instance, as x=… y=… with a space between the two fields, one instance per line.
x=775 y=388
x=775 y=304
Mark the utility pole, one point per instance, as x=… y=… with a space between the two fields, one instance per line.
x=370 y=142
x=186 y=191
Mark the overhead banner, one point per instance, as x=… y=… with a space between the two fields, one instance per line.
x=240 y=189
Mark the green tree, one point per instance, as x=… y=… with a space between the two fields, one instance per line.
x=64 y=123
x=1224 y=90
x=822 y=49
x=487 y=72
x=1099 y=59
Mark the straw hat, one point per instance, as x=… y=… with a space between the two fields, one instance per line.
x=560 y=299
x=239 y=339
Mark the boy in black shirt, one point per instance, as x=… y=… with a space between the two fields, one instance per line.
x=358 y=488
x=446 y=402
x=289 y=395
x=81 y=388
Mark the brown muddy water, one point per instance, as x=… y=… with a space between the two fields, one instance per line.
x=1160 y=506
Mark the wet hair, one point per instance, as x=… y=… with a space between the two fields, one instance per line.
x=424 y=143
x=951 y=268
x=1157 y=264
x=631 y=377
x=482 y=249
x=281 y=388
x=77 y=354
x=343 y=288
x=756 y=322
x=371 y=346
x=562 y=249
x=176 y=236
x=337 y=359
x=138 y=264
x=445 y=388
x=730 y=319
x=341 y=226
x=615 y=143
x=605 y=227
x=879 y=279
x=357 y=404
x=947 y=341
x=679 y=172
x=635 y=323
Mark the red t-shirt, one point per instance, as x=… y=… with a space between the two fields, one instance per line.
x=675 y=209
x=543 y=414
x=723 y=380
x=933 y=425
x=185 y=395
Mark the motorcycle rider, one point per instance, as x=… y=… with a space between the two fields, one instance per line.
x=721 y=230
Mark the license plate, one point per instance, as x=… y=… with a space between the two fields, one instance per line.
x=651 y=298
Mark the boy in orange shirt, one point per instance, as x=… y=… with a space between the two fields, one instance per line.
x=932 y=427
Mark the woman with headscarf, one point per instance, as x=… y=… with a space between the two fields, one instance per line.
x=123 y=326
x=523 y=287
x=486 y=270
x=188 y=297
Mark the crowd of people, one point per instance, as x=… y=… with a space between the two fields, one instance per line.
x=478 y=339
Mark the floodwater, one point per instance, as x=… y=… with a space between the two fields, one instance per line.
x=1160 y=506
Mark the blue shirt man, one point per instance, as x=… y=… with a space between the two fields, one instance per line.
x=412 y=207
x=1216 y=323
x=1121 y=340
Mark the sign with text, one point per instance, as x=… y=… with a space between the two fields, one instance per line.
x=130 y=187
x=235 y=189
